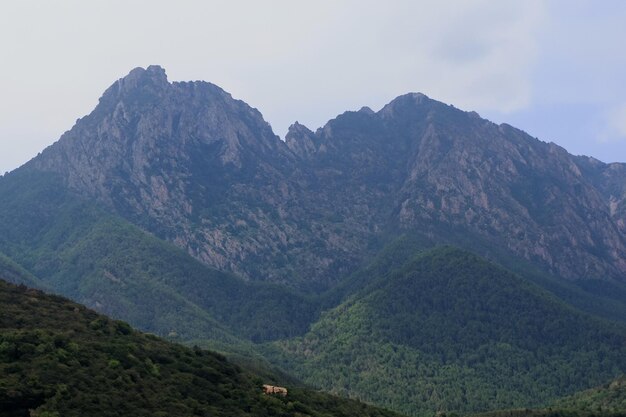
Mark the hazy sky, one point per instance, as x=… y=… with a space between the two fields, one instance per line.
x=556 y=69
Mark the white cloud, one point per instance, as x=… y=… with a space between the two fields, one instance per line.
x=616 y=125
x=485 y=62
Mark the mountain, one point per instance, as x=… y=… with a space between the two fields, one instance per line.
x=58 y=358
x=174 y=207
x=451 y=332
x=444 y=171
x=196 y=167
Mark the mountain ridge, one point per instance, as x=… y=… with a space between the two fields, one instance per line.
x=200 y=169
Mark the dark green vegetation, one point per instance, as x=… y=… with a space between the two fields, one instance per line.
x=12 y=272
x=548 y=412
x=449 y=331
x=608 y=400
x=60 y=359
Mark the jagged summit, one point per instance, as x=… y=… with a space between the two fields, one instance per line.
x=152 y=80
x=410 y=104
x=155 y=73
x=410 y=99
x=298 y=127
x=366 y=110
x=300 y=139
x=298 y=131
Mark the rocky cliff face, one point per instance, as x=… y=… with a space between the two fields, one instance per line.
x=191 y=164
x=438 y=167
x=610 y=181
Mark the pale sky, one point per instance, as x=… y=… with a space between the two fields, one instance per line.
x=556 y=69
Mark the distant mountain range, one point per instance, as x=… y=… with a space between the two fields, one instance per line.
x=418 y=257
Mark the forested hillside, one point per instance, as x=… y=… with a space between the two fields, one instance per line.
x=449 y=331
x=608 y=400
x=60 y=359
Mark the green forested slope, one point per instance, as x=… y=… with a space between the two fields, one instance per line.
x=449 y=331
x=58 y=358
x=78 y=250
x=602 y=298
x=12 y=272
x=607 y=398
x=548 y=412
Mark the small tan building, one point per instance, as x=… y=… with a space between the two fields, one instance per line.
x=271 y=389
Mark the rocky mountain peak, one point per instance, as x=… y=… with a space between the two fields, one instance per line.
x=298 y=128
x=404 y=101
x=167 y=154
x=301 y=140
x=144 y=118
x=366 y=110
x=153 y=73
x=412 y=108
x=148 y=83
